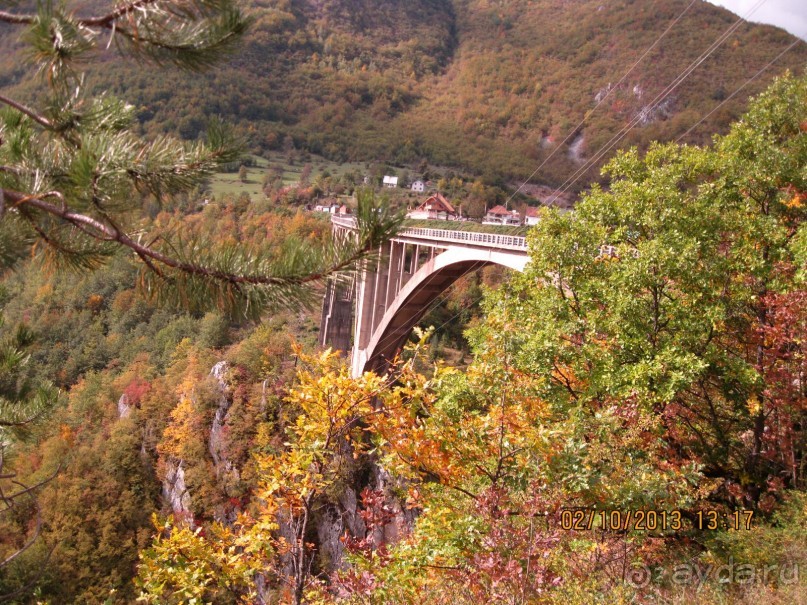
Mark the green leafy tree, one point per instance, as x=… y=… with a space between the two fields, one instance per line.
x=674 y=290
x=649 y=358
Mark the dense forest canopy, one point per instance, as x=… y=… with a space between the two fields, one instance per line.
x=662 y=376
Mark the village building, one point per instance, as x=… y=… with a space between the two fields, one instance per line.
x=531 y=215
x=326 y=205
x=390 y=182
x=435 y=207
x=331 y=206
x=419 y=186
x=499 y=215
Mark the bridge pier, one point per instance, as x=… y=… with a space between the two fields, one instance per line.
x=336 y=326
x=380 y=281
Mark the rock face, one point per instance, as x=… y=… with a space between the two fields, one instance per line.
x=124 y=408
x=227 y=473
x=175 y=492
x=335 y=521
x=344 y=517
x=576 y=148
x=335 y=518
x=653 y=113
x=644 y=115
x=602 y=93
x=216 y=443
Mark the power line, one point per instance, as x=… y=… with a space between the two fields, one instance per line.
x=670 y=87
x=746 y=83
x=647 y=51
x=674 y=84
x=677 y=81
x=572 y=132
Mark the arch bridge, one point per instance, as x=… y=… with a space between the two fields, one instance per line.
x=373 y=311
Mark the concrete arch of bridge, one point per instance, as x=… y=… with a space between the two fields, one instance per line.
x=428 y=282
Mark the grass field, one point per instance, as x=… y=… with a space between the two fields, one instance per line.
x=228 y=183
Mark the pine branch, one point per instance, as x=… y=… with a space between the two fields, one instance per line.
x=187 y=42
x=22 y=422
x=108 y=20
x=15 y=19
x=371 y=236
x=41 y=120
x=92 y=163
x=25 y=489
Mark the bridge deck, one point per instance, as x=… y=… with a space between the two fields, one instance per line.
x=434 y=237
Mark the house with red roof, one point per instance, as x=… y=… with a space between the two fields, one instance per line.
x=531 y=215
x=499 y=215
x=435 y=207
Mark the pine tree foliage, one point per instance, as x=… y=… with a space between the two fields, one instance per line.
x=244 y=282
x=72 y=169
x=23 y=401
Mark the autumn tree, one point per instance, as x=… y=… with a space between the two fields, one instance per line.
x=651 y=357
x=296 y=485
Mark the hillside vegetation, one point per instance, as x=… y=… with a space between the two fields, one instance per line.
x=488 y=87
x=194 y=459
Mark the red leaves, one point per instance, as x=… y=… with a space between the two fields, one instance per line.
x=783 y=367
x=512 y=557
x=135 y=391
x=376 y=514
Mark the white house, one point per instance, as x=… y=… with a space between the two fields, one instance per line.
x=390 y=182
x=419 y=186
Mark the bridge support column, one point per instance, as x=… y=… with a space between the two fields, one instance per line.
x=336 y=327
x=379 y=283
x=382 y=278
x=396 y=258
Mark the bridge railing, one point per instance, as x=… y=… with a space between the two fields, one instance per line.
x=492 y=240
x=348 y=222
x=488 y=240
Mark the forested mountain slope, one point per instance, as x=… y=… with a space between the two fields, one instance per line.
x=489 y=86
